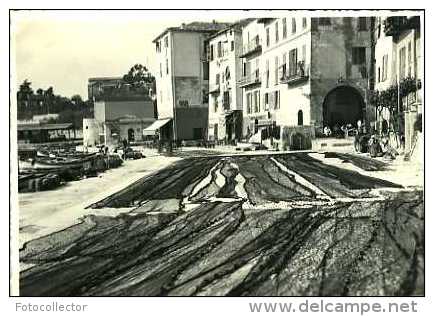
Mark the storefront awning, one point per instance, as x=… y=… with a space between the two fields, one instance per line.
x=265 y=122
x=151 y=129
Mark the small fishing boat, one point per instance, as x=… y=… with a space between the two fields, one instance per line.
x=64 y=162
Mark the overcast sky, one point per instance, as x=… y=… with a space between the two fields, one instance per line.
x=64 y=48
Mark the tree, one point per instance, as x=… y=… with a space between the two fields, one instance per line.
x=392 y=100
x=70 y=110
x=49 y=99
x=39 y=98
x=139 y=76
x=24 y=93
x=77 y=100
x=24 y=100
x=25 y=89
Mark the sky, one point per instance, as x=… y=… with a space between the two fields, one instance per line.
x=64 y=48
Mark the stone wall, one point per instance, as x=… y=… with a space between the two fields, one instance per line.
x=332 y=63
x=297 y=137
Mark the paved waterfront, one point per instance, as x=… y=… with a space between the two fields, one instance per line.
x=240 y=225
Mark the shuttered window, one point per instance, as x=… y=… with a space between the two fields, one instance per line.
x=292 y=62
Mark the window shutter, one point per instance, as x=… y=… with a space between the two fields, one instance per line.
x=271 y=100
x=296 y=62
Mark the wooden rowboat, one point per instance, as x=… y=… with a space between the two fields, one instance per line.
x=60 y=162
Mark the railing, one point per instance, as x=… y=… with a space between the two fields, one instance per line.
x=295 y=74
x=214 y=88
x=226 y=102
x=252 y=47
x=253 y=78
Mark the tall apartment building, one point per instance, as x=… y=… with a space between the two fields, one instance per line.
x=301 y=74
x=398 y=56
x=182 y=80
x=225 y=99
x=251 y=75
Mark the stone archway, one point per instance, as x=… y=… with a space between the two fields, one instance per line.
x=342 y=105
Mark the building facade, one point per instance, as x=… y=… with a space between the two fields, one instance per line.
x=116 y=119
x=398 y=59
x=342 y=70
x=285 y=85
x=301 y=74
x=182 y=80
x=251 y=75
x=225 y=96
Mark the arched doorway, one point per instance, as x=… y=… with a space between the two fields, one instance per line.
x=130 y=135
x=300 y=118
x=342 y=105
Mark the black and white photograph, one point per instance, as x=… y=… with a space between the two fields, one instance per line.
x=275 y=153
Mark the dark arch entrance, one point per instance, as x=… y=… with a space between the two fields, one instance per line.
x=342 y=105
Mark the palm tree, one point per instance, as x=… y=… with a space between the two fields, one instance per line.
x=24 y=100
x=24 y=93
x=40 y=94
x=48 y=98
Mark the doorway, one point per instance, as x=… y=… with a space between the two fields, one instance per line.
x=342 y=105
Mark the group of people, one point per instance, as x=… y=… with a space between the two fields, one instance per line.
x=344 y=130
x=104 y=150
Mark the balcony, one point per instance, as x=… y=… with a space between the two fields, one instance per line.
x=214 y=88
x=252 y=47
x=252 y=79
x=226 y=106
x=293 y=75
x=226 y=101
x=395 y=25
